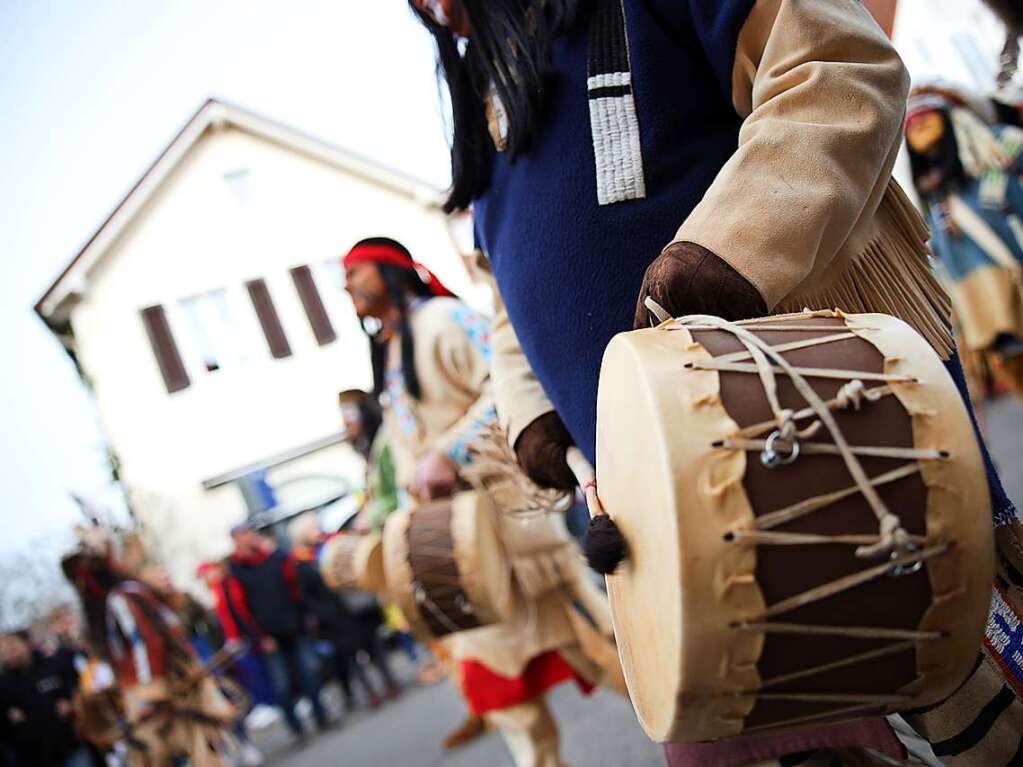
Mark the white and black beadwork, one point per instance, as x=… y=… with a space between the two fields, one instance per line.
x=613 y=124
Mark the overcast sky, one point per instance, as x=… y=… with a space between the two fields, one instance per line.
x=91 y=93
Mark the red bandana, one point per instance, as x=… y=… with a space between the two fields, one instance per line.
x=377 y=253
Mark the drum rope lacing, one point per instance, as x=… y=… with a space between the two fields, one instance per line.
x=906 y=552
x=784 y=444
x=431 y=575
x=423 y=598
x=427 y=575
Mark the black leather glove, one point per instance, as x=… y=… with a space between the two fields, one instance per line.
x=688 y=279
x=540 y=450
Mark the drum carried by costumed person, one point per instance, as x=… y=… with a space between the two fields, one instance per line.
x=729 y=159
x=513 y=636
x=966 y=168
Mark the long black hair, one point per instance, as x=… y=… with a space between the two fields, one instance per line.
x=510 y=48
x=402 y=284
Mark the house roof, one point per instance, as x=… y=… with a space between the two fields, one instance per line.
x=213 y=115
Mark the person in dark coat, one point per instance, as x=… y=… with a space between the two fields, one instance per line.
x=268 y=609
x=349 y=632
x=351 y=623
x=35 y=703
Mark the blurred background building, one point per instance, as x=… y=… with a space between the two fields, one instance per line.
x=208 y=317
x=957 y=40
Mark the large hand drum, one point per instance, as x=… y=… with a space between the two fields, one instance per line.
x=353 y=563
x=445 y=566
x=807 y=519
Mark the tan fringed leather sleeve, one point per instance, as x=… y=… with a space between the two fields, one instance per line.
x=518 y=395
x=823 y=94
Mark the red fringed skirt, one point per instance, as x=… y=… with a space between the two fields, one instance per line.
x=486 y=690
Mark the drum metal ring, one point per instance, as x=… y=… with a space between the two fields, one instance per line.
x=463 y=604
x=770 y=458
x=900 y=570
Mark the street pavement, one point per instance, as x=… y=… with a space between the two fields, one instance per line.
x=600 y=731
x=1003 y=424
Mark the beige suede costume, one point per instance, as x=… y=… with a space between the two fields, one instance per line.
x=452 y=358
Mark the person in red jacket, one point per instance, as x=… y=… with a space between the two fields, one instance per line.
x=265 y=604
x=248 y=669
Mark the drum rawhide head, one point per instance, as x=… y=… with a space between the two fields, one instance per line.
x=807 y=520
x=351 y=562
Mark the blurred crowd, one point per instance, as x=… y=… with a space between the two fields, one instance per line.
x=59 y=696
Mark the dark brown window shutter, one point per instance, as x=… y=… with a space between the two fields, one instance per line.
x=175 y=377
x=268 y=319
x=302 y=276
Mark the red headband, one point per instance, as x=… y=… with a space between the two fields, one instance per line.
x=376 y=253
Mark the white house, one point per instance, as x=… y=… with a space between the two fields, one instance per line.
x=208 y=315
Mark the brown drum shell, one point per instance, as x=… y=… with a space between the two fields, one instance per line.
x=678 y=600
x=445 y=567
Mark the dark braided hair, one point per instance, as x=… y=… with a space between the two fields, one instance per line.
x=401 y=284
x=509 y=46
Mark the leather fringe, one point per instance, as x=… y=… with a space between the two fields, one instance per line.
x=495 y=469
x=892 y=275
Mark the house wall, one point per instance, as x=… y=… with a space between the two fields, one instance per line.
x=957 y=40
x=203 y=232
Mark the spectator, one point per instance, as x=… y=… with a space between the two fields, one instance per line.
x=248 y=670
x=267 y=608
x=64 y=625
x=348 y=632
x=35 y=702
